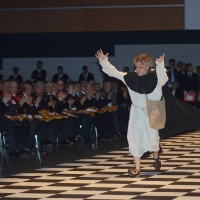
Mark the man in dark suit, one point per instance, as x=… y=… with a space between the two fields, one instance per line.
x=15 y=75
x=172 y=73
x=86 y=76
x=13 y=133
x=39 y=74
x=60 y=75
x=190 y=83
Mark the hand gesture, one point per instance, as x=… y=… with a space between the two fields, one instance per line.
x=71 y=101
x=110 y=94
x=89 y=94
x=98 y=95
x=23 y=100
x=51 y=103
x=37 y=101
x=99 y=54
x=83 y=100
x=29 y=99
x=6 y=98
x=62 y=95
x=159 y=60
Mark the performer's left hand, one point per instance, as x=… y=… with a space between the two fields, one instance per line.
x=159 y=60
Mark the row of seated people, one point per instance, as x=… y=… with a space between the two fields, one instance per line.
x=29 y=111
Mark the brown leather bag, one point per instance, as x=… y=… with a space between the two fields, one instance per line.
x=156 y=113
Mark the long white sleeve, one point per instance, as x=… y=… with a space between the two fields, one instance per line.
x=161 y=73
x=111 y=70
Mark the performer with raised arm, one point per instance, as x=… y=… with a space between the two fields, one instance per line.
x=144 y=81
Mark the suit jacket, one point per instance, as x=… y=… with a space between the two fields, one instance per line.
x=90 y=76
x=176 y=75
x=190 y=83
x=64 y=78
x=114 y=99
x=39 y=76
x=3 y=107
x=19 y=78
x=1 y=77
x=13 y=106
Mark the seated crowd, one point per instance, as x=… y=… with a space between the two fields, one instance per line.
x=57 y=113
x=60 y=110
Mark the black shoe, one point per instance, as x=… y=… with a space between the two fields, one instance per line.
x=88 y=140
x=14 y=154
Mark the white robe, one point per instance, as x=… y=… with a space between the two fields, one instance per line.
x=141 y=137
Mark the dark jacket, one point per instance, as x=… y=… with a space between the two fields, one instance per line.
x=90 y=76
x=190 y=83
x=64 y=78
x=18 y=78
x=39 y=76
x=176 y=74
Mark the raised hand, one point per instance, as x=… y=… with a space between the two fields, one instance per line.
x=159 y=60
x=100 y=55
x=62 y=95
x=23 y=100
x=71 y=101
x=37 y=101
x=6 y=98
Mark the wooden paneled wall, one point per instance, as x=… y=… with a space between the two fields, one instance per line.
x=89 y=16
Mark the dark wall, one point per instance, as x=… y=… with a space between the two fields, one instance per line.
x=26 y=45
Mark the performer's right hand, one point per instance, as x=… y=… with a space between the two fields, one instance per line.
x=99 y=54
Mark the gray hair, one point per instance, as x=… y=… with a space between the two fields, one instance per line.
x=49 y=82
x=38 y=84
x=26 y=86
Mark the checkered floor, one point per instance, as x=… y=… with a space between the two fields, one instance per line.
x=105 y=176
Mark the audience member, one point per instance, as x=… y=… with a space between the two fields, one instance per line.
x=86 y=76
x=60 y=86
x=39 y=74
x=172 y=72
x=126 y=69
x=15 y=75
x=60 y=75
x=190 y=84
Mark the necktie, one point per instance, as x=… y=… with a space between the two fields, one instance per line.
x=190 y=75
